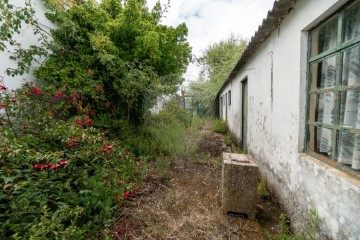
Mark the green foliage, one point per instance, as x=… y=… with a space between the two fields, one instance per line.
x=286 y=234
x=220 y=126
x=228 y=140
x=312 y=224
x=261 y=189
x=58 y=179
x=216 y=62
x=12 y=20
x=162 y=134
x=116 y=52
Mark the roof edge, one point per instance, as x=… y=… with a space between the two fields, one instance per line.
x=280 y=10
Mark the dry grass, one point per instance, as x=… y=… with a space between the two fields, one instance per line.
x=175 y=216
x=187 y=207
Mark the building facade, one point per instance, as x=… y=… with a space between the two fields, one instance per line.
x=293 y=101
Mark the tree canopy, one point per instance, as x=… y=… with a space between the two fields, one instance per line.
x=114 y=53
x=216 y=63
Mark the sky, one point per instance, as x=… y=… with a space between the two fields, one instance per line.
x=211 y=21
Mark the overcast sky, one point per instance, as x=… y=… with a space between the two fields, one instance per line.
x=210 y=21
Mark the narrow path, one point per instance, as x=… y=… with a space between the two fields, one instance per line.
x=187 y=206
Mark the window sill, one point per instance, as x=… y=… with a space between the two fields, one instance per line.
x=338 y=169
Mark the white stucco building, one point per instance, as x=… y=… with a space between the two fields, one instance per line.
x=293 y=101
x=26 y=38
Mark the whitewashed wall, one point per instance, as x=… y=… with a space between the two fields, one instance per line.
x=26 y=38
x=276 y=122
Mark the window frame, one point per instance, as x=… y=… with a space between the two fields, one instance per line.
x=336 y=128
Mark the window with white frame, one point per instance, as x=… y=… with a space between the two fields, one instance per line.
x=333 y=127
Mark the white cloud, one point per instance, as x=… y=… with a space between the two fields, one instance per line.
x=210 y=21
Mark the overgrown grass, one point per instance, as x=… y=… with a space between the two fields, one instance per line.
x=220 y=126
x=162 y=137
x=228 y=140
x=286 y=234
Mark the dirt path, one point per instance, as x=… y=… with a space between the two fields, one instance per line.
x=188 y=205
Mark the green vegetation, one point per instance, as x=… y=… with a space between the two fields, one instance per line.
x=75 y=144
x=115 y=54
x=286 y=234
x=261 y=189
x=161 y=134
x=312 y=224
x=59 y=179
x=228 y=140
x=216 y=63
x=220 y=126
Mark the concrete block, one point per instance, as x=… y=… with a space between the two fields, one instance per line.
x=239 y=181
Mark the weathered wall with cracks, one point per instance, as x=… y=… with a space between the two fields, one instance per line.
x=276 y=76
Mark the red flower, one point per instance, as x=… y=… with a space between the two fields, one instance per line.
x=27 y=93
x=24 y=127
x=134 y=194
x=43 y=167
x=106 y=148
x=117 y=199
x=63 y=163
x=127 y=195
x=78 y=121
x=36 y=166
x=75 y=94
x=10 y=186
x=3 y=105
x=37 y=91
x=90 y=72
x=2 y=87
x=59 y=94
x=99 y=89
x=13 y=100
x=108 y=104
x=88 y=122
x=74 y=100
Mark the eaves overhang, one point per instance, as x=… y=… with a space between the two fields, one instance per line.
x=280 y=10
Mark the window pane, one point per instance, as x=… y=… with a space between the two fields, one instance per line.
x=324 y=37
x=349 y=149
x=322 y=108
x=350 y=109
x=320 y=140
x=351 y=22
x=324 y=73
x=351 y=67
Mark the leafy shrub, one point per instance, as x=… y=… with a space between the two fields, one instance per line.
x=220 y=127
x=59 y=178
